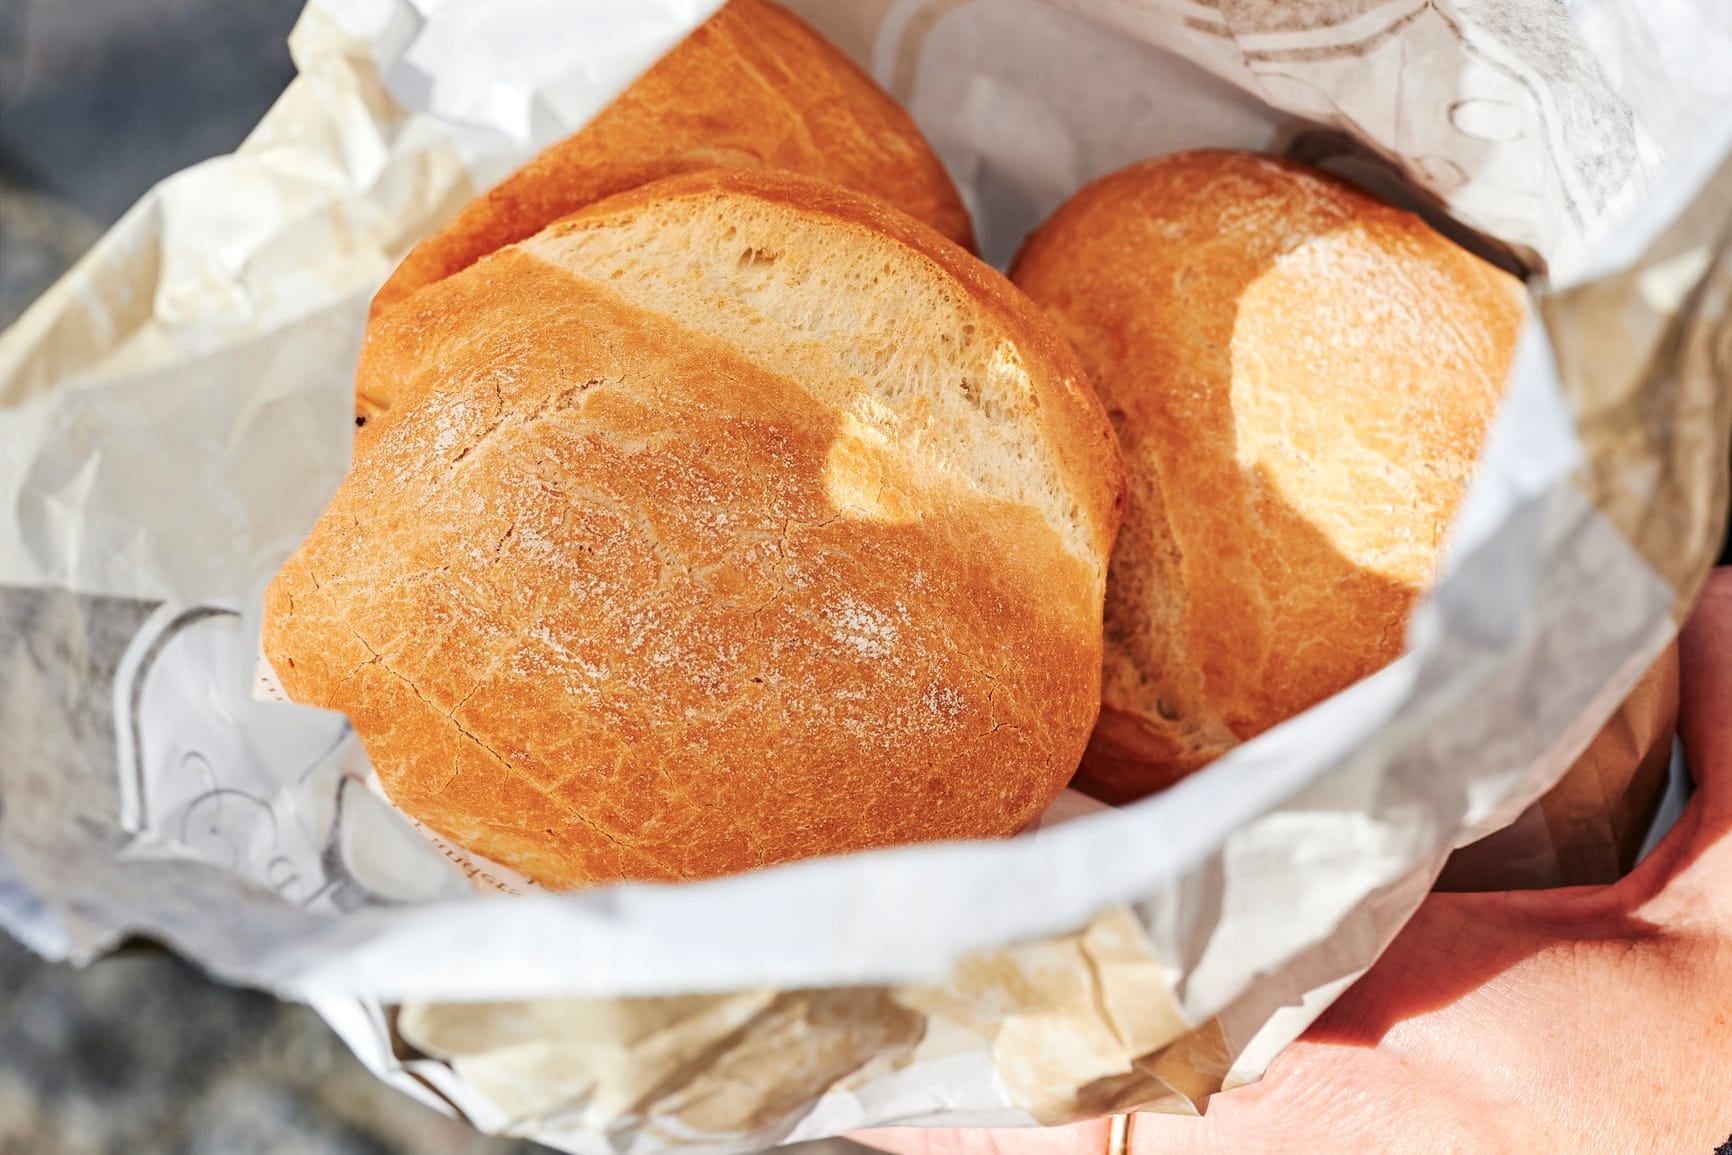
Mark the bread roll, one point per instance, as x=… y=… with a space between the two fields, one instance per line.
x=752 y=87
x=736 y=519
x=1301 y=379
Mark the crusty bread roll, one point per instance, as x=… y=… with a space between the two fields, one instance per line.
x=752 y=87
x=1301 y=378
x=735 y=519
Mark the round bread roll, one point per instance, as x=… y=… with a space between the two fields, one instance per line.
x=753 y=87
x=736 y=519
x=1301 y=379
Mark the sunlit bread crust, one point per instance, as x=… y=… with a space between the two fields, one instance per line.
x=736 y=519
x=1301 y=379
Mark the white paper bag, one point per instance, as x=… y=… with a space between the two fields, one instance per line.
x=174 y=413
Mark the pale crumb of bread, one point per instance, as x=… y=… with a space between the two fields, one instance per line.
x=889 y=341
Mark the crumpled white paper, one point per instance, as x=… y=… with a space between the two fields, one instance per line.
x=174 y=413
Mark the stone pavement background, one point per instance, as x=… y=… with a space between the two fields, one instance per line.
x=140 y=1054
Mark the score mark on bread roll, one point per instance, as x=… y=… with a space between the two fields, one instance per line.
x=736 y=519
x=1301 y=378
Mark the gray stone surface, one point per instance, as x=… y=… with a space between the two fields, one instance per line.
x=99 y=99
x=39 y=238
x=140 y=1054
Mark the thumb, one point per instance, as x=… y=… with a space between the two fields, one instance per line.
x=1687 y=875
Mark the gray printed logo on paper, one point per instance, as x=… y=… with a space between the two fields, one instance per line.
x=276 y=793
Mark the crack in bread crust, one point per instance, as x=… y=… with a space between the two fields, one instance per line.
x=503 y=762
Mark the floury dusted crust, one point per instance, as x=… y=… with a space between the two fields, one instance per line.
x=734 y=520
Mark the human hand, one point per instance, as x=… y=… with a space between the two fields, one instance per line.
x=1591 y=1019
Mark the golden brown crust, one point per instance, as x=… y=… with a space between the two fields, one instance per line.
x=1301 y=379
x=599 y=598
x=752 y=87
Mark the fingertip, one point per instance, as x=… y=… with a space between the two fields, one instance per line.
x=895 y=1140
x=1076 y=1139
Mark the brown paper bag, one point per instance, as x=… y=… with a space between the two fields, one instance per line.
x=1590 y=826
